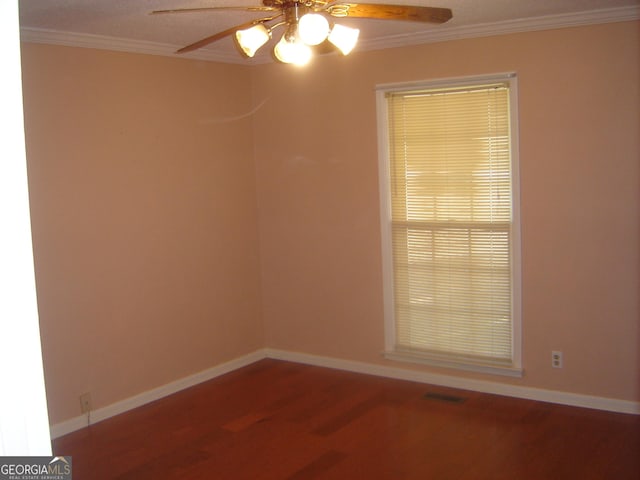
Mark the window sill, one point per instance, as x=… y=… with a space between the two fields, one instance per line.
x=506 y=371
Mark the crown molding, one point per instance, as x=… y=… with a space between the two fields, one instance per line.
x=548 y=22
x=592 y=17
x=101 y=42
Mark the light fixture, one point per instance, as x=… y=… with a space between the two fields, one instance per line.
x=304 y=28
x=251 y=39
x=292 y=51
x=345 y=38
x=313 y=28
x=290 y=48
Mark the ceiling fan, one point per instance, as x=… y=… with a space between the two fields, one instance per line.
x=306 y=25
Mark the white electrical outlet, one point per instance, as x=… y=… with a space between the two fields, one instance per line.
x=556 y=359
x=85 y=402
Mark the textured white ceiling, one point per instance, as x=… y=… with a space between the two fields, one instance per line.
x=127 y=22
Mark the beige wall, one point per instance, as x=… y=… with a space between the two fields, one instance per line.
x=579 y=157
x=153 y=262
x=144 y=220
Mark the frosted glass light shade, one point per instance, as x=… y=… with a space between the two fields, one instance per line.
x=345 y=38
x=251 y=39
x=294 y=52
x=313 y=28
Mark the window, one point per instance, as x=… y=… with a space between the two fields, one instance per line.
x=448 y=178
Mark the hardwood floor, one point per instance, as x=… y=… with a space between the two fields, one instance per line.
x=285 y=421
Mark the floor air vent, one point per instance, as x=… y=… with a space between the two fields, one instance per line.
x=442 y=397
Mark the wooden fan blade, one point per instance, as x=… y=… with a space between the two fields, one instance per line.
x=390 y=12
x=206 y=41
x=209 y=9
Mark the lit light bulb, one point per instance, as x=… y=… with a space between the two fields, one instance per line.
x=251 y=39
x=292 y=51
x=344 y=38
x=313 y=28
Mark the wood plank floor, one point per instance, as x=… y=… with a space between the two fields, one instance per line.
x=285 y=421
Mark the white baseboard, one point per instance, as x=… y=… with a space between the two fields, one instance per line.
x=149 y=396
x=529 y=393
x=551 y=396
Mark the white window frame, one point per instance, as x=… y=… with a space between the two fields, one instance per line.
x=515 y=369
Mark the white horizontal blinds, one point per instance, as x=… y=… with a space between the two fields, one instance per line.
x=450 y=170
